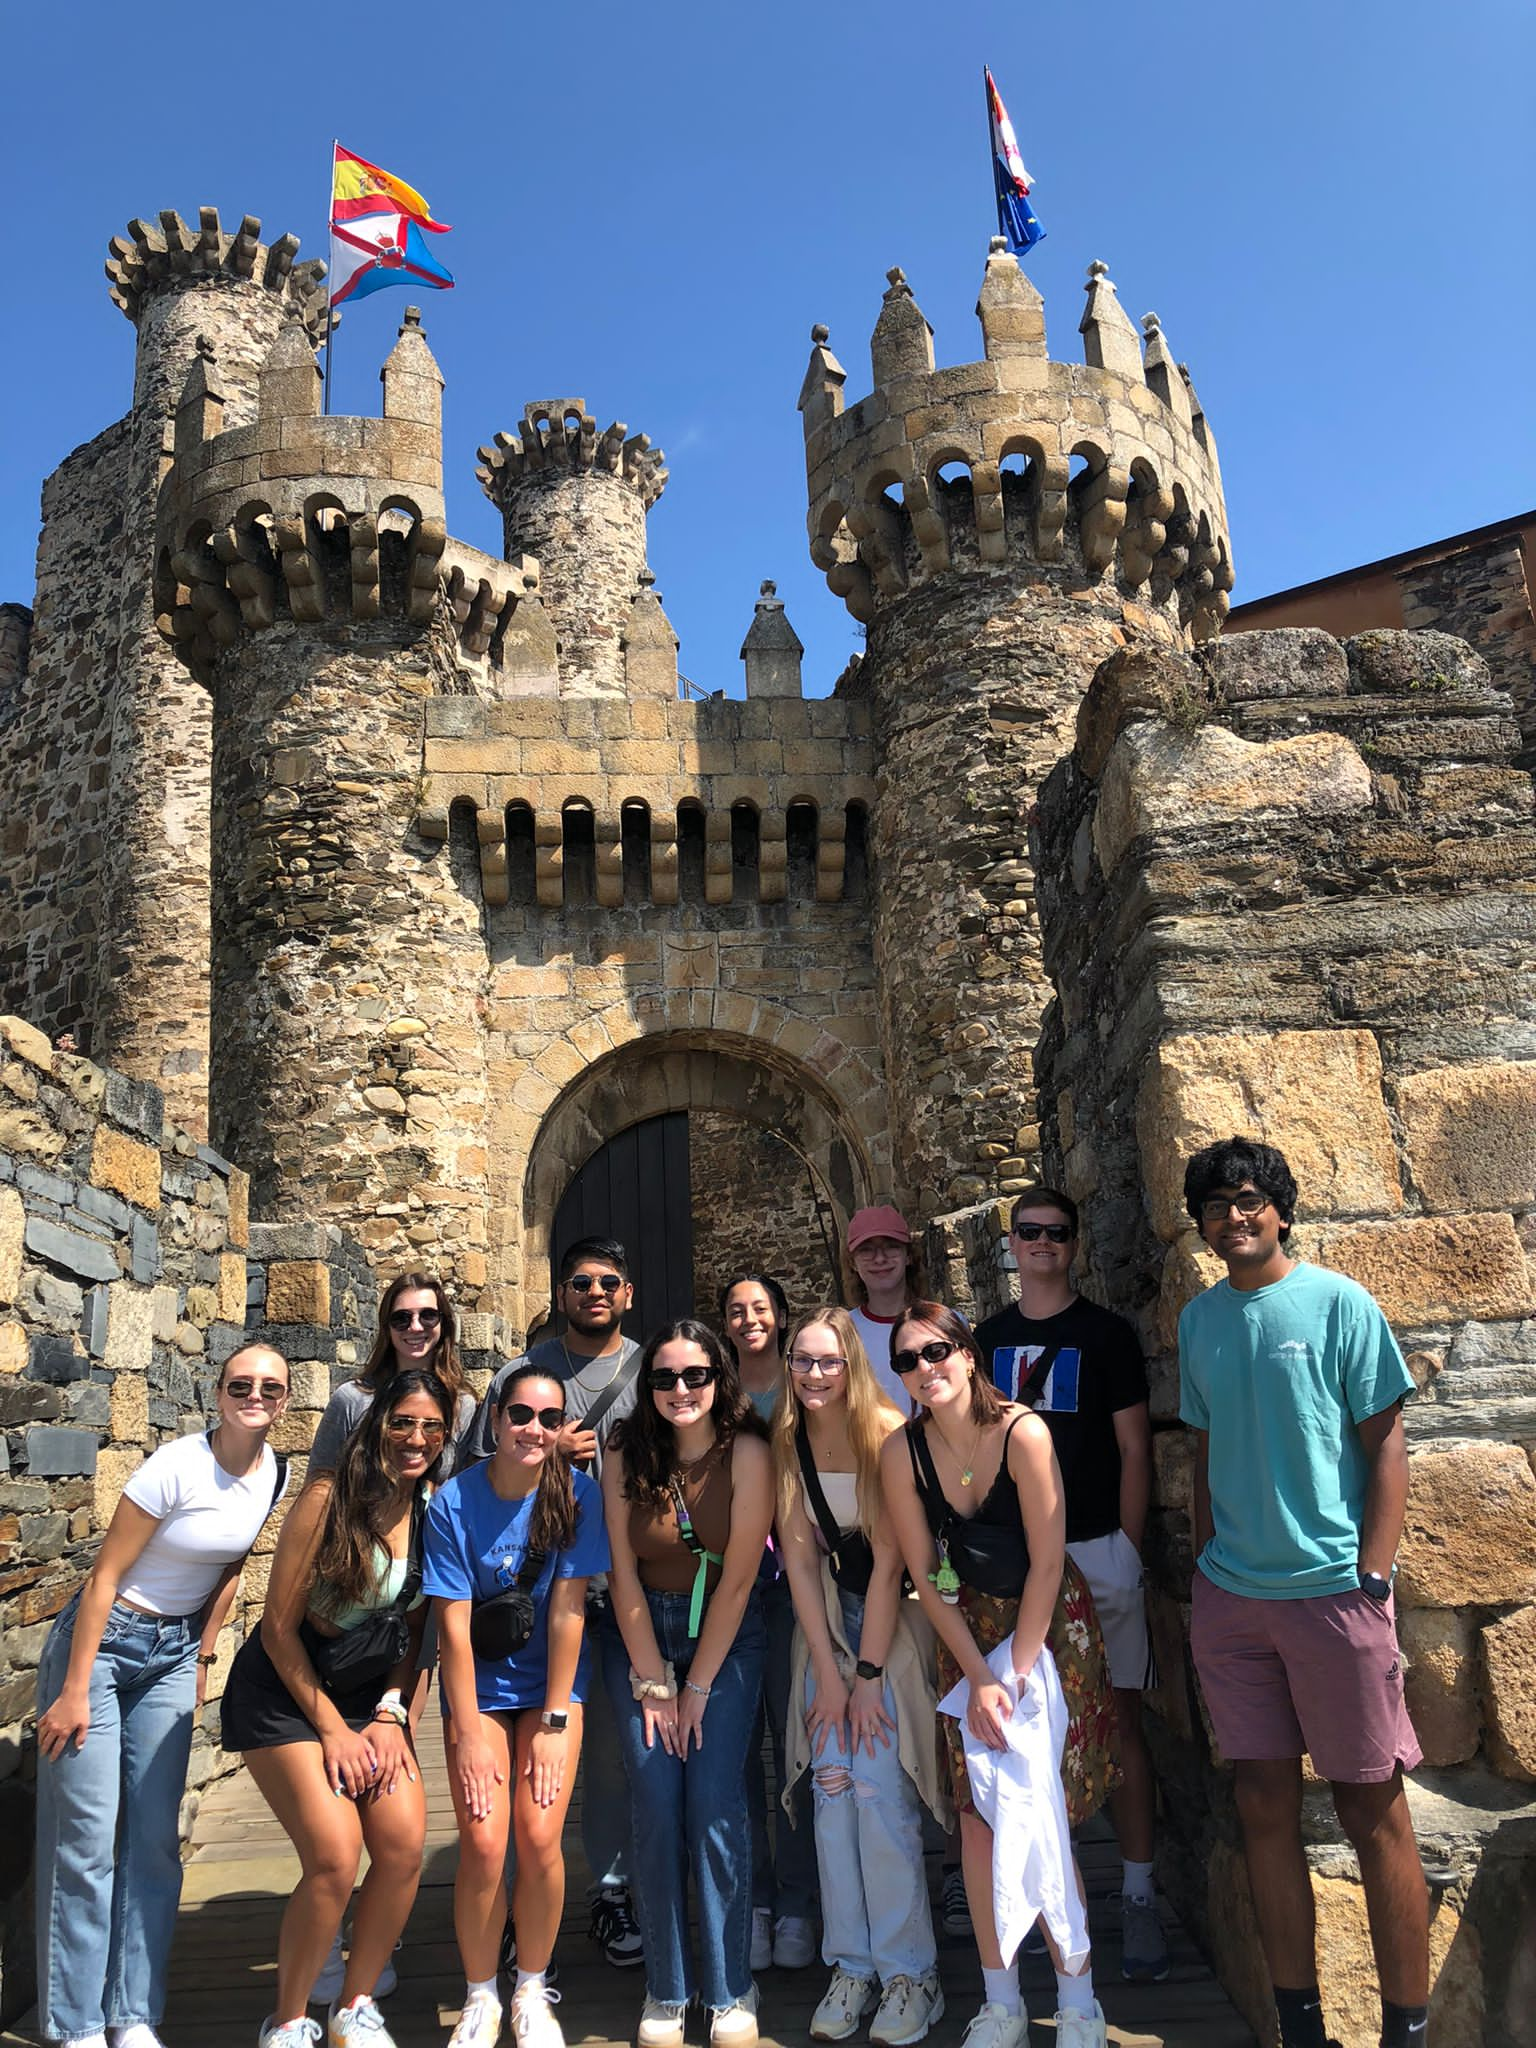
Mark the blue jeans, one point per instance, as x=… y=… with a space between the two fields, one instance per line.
x=108 y=1855
x=692 y=1813
x=869 y=1844
x=783 y=1873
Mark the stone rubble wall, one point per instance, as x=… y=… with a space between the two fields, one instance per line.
x=1482 y=594
x=1291 y=890
x=755 y=1209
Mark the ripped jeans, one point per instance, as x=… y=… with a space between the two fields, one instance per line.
x=869 y=1849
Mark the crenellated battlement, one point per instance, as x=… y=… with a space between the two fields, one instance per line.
x=317 y=518
x=152 y=259
x=1114 y=465
x=558 y=437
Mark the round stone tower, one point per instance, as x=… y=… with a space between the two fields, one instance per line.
x=576 y=499
x=177 y=285
x=307 y=579
x=999 y=528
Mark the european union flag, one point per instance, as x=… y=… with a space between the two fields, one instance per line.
x=1015 y=216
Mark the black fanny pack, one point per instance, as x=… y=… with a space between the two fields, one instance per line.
x=501 y=1626
x=988 y=1557
x=850 y=1555
x=364 y=1654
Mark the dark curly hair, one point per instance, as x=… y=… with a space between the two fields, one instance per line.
x=648 y=1445
x=357 y=1513
x=1232 y=1161
x=554 y=1508
x=749 y=1277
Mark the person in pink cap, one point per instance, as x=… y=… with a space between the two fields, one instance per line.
x=881 y=1276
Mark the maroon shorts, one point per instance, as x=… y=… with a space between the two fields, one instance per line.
x=1323 y=1676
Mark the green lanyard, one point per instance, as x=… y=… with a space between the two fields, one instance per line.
x=705 y=1559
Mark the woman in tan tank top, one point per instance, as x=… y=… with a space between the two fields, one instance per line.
x=688 y=1490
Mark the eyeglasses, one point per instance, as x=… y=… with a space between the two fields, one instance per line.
x=932 y=1353
x=270 y=1391
x=402 y=1318
x=519 y=1414
x=404 y=1426
x=801 y=1362
x=1031 y=1233
x=1247 y=1202
x=660 y=1381
x=583 y=1283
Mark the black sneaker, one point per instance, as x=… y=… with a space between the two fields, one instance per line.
x=613 y=1924
x=506 y=1961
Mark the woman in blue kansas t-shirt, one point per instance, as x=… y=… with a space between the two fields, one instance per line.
x=512 y=1728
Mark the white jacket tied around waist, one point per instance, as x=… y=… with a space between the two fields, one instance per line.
x=1019 y=1794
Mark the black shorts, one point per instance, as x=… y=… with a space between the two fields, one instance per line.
x=258 y=1710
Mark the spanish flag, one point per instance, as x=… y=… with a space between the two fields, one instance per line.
x=359 y=188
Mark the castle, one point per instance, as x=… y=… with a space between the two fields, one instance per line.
x=409 y=904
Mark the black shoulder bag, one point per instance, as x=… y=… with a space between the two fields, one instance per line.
x=364 y=1654
x=501 y=1626
x=988 y=1558
x=851 y=1557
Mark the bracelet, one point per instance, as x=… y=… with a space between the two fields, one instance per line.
x=209 y=1661
x=664 y=1688
x=701 y=1690
x=392 y=1710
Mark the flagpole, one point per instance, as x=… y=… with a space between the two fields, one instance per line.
x=330 y=283
x=986 y=73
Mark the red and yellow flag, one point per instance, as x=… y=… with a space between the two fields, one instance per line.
x=359 y=188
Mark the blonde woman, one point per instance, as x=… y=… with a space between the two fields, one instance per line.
x=863 y=1682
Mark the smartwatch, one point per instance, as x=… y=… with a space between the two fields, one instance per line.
x=554 y=1719
x=1375 y=1587
x=864 y=1669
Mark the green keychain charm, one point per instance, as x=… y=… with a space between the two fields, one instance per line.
x=946 y=1580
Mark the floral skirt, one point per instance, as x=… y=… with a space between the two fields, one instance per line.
x=1090 y=1764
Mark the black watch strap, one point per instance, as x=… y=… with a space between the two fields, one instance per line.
x=864 y=1669
x=1375 y=1587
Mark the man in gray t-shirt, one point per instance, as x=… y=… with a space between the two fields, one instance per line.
x=599 y=1369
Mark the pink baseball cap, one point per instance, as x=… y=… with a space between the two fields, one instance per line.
x=883 y=1221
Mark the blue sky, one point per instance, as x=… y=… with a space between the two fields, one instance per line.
x=1328 y=204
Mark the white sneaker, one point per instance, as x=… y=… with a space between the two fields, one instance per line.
x=762 y=1938
x=908 y=2008
x=661 y=2025
x=359 y=2025
x=533 y=2019
x=291 y=2034
x=843 y=2006
x=794 y=1943
x=1078 y=2030
x=734 y=2026
x=332 y=1975
x=85 y=2041
x=139 y=2035
x=479 y=2023
x=996 y=2027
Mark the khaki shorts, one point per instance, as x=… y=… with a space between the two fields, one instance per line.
x=1114 y=1575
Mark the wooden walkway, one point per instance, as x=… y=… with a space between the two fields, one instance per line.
x=241 y=1871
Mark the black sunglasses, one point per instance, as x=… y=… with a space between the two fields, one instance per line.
x=1031 y=1233
x=934 y=1352
x=583 y=1283
x=660 y=1381
x=519 y=1414
x=268 y=1390
x=402 y=1318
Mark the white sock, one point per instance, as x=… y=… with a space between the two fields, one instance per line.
x=526 y=1977
x=1137 y=1881
x=1002 y=1988
x=486 y=1985
x=1075 y=1994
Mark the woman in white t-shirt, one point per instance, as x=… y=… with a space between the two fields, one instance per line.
x=119 y=1681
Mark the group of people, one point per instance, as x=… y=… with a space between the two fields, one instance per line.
x=905 y=1549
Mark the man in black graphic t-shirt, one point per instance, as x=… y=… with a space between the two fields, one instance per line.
x=1080 y=1368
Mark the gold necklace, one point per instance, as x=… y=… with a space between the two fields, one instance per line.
x=967 y=1472
x=574 y=1371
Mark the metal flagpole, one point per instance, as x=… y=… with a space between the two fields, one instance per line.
x=330 y=286
x=991 y=145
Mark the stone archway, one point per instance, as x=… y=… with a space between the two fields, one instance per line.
x=739 y=1078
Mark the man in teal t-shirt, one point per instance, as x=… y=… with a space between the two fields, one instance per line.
x=1293 y=1384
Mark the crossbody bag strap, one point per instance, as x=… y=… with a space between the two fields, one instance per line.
x=926 y=1479
x=1039 y=1373
x=705 y=1558
x=410 y=1586
x=598 y=1412
x=821 y=1508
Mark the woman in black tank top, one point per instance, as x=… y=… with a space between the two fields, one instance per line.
x=974 y=1494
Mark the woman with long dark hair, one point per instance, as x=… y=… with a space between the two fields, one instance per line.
x=118 y=1684
x=511 y=1546
x=754 y=1313
x=315 y=1704
x=418 y=1332
x=974 y=1494
x=688 y=1490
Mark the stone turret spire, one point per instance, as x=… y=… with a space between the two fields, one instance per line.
x=772 y=648
x=1110 y=341
x=902 y=343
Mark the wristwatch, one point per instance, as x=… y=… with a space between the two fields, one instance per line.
x=554 y=1719
x=864 y=1669
x=1375 y=1587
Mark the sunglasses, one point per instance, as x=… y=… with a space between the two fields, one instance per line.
x=404 y=1426
x=583 y=1283
x=802 y=1362
x=660 y=1381
x=1054 y=1233
x=519 y=1414
x=932 y=1353
x=267 y=1390
x=402 y=1318
x=1216 y=1208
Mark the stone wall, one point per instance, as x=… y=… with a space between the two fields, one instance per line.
x=1482 y=593
x=1292 y=890
x=755 y=1209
